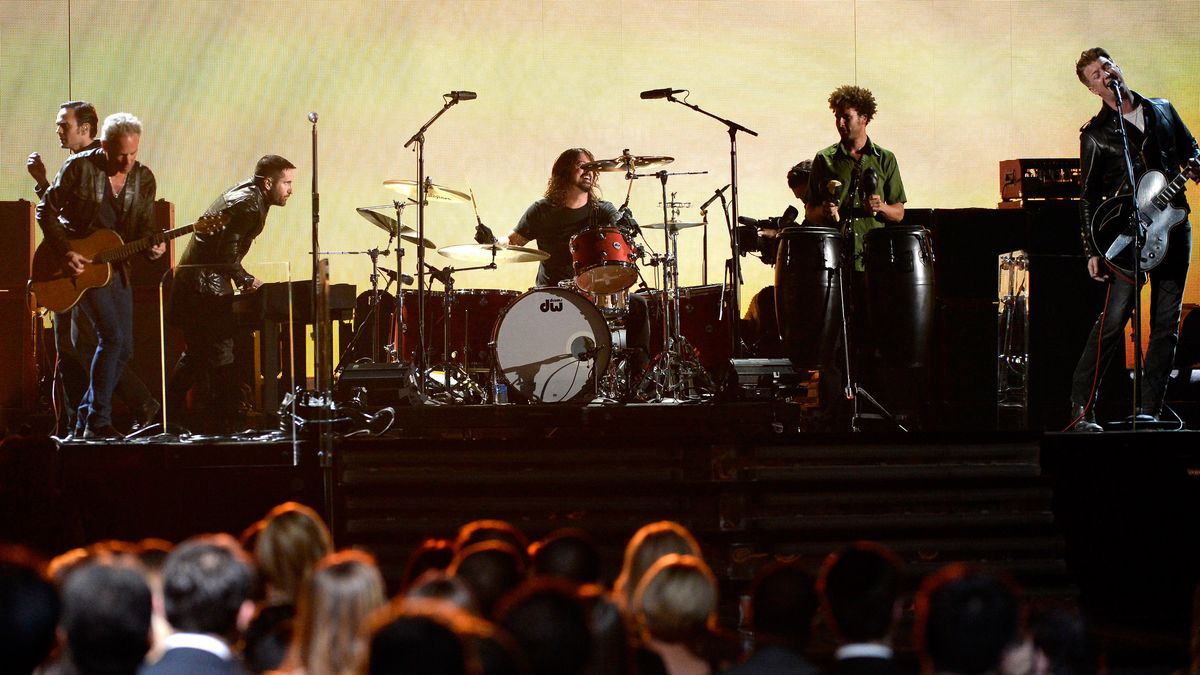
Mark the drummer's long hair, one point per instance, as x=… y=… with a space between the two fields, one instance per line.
x=560 y=176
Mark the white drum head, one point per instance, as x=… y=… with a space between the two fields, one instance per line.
x=551 y=344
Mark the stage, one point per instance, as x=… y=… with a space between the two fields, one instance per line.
x=1098 y=518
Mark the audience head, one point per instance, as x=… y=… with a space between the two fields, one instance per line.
x=490 y=569
x=479 y=531
x=569 y=554
x=293 y=538
x=431 y=554
x=676 y=600
x=966 y=619
x=435 y=585
x=206 y=585
x=343 y=590
x=421 y=638
x=549 y=622
x=29 y=610
x=106 y=618
x=859 y=587
x=648 y=544
x=783 y=601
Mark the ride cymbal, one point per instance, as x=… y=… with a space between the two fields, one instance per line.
x=627 y=162
x=488 y=252
x=433 y=193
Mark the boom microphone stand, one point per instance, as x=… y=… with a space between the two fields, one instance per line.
x=419 y=138
x=733 y=128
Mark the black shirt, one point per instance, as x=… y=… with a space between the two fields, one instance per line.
x=553 y=226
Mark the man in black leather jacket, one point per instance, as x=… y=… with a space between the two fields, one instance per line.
x=202 y=292
x=1160 y=141
x=103 y=188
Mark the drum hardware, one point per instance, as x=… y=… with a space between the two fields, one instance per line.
x=375 y=296
x=718 y=194
x=422 y=191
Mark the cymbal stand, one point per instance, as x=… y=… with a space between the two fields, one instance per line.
x=371 y=321
x=419 y=139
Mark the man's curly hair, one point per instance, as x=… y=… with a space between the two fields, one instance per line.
x=850 y=96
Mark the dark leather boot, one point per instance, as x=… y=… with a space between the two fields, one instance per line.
x=1086 y=419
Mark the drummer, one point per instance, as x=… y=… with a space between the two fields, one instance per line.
x=572 y=204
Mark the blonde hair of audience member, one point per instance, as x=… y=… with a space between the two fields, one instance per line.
x=343 y=590
x=293 y=538
x=675 y=604
x=647 y=545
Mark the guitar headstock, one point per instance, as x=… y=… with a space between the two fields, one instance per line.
x=211 y=223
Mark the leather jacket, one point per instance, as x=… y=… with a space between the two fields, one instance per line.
x=71 y=205
x=212 y=263
x=1165 y=145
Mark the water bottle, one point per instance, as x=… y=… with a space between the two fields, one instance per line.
x=501 y=397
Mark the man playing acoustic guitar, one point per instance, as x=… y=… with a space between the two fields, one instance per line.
x=1158 y=141
x=103 y=188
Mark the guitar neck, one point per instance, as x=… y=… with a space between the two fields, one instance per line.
x=124 y=251
x=1172 y=189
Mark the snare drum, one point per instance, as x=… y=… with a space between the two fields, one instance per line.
x=551 y=345
x=603 y=258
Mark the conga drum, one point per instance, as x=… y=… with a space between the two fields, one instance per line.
x=900 y=293
x=807 y=294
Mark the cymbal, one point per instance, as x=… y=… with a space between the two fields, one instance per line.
x=483 y=253
x=673 y=225
x=388 y=224
x=621 y=163
x=433 y=193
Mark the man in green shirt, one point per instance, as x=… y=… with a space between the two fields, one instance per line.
x=847 y=162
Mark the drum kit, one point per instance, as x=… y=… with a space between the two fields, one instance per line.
x=548 y=344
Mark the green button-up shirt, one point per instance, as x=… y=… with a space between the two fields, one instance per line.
x=835 y=163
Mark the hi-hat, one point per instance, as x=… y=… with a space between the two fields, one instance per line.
x=489 y=252
x=388 y=224
x=627 y=162
x=673 y=225
x=433 y=193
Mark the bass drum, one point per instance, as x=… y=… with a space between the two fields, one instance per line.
x=551 y=345
x=808 y=295
x=473 y=318
x=900 y=293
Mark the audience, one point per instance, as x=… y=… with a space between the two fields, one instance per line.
x=969 y=623
x=500 y=609
x=106 y=619
x=29 y=611
x=651 y=542
x=783 y=602
x=859 y=588
x=344 y=589
x=206 y=587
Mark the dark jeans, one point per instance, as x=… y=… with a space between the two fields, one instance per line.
x=1166 y=299
x=110 y=311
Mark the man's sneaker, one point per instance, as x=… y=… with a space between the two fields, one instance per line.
x=104 y=433
x=1085 y=420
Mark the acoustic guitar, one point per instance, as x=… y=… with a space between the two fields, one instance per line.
x=1155 y=215
x=57 y=290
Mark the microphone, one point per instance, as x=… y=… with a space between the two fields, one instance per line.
x=661 y=93
x=832 y=187
x=406 y=279
x=442 y=275
x=461 y=95
x=714 y=197
x=624 y=215
x=869 y=184
x=312 y=117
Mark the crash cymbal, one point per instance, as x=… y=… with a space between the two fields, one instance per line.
x=388 y=224
x=433 y=193
x=673 y=225
x=483 y=253
x=622 y=163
